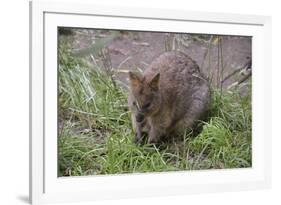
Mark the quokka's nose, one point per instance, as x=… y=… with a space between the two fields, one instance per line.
x=139 y=117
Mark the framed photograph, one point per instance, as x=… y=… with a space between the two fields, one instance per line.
x=129 y=102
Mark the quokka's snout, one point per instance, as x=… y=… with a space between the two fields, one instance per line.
x=170 y=95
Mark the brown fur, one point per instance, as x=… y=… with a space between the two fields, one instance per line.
x=170 y=96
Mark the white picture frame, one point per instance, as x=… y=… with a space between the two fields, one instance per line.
x=46 y=187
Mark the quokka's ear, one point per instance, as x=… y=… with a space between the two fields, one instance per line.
x=134 y=79
x=154 y=83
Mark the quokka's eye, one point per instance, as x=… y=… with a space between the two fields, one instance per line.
x=146 y=105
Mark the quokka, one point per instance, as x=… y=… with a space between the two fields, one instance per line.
x=170 y=96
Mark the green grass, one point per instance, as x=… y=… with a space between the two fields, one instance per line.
x=95 y=131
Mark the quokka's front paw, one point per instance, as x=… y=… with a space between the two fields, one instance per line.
x=153 y=140
x=140 y=138
x=154 y=136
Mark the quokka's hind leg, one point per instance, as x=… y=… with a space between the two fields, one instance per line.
x=199 y=106
x=195 y=113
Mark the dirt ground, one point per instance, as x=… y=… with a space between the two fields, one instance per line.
x=135 y=50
